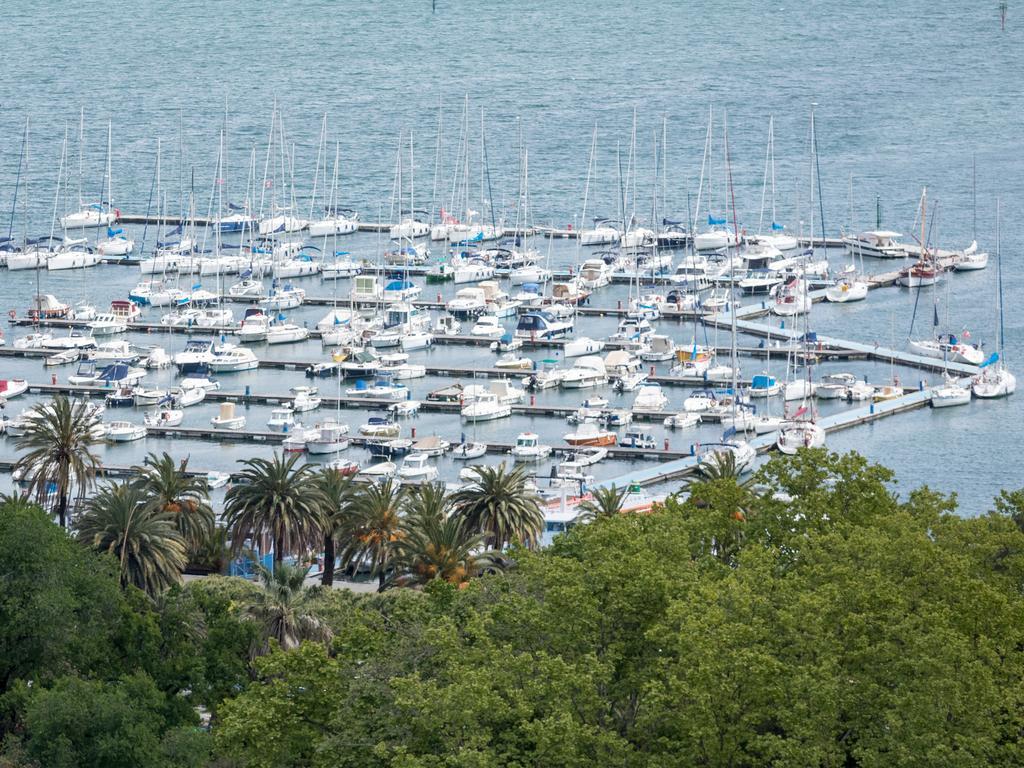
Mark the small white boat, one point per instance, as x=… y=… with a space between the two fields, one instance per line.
x=107 y=323
x=376 y=472
x=165 y=417
x=227 y=419
x=529 y=448
x=228 y=357
x=682 y=420
x=288 y=297
x=847 y=290
x=125 y=431
x=63 y=358
x=587 y=372
x=158 y=359
x=404 y=409
x=378 y=427
x=330 y=437
x=489 y=327
x=485 y=408
x=306 y=399
x=467 y=451
x=78 y=338
x=199 y=382
x=12 y=388
x=970 y=259
x=950 y=393
x=147 y=397
x=286 y=333
x=281 y=420
x=431 y=446
x=794 y=435
x=650 y=399
x=246 y=289
x=32 y=340
x=582 y=346
x=416 y=469
x=216 y=480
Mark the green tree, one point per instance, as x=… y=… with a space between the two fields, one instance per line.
x=90 y=724
x=182 y=497
x=604 y=502
x=498 y=503
x=59 y=603
x=375 y=526
x=145 y=541
x=278 y=499
x=438 y=547
x=56 y=454
x=341 y=497
x=282 y=608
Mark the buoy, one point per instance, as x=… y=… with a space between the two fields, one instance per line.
x=533 y=400
x=414 y=433
x=53 y=379
x=666 y=444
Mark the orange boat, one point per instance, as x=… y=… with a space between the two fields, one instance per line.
x=591 y=434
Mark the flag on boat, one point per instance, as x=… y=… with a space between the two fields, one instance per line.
x=713 y=222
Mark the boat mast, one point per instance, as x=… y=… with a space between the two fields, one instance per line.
x=732 y=272
x=316 y=172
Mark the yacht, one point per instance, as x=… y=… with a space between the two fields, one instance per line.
x=879 y=244
x=125 y=431
x=949 y=347
x=338 y=222
x=247 y=288
x=950 y=393
x=228 y=357
x=196 y=356
x=467 y=304
x=588 y=371
x=542 y=326
x=288 y=297
x=486 y=407
x=595 y=273
x=107 y=323
x=113 y=350
x=529 y=448
x=254 y=326
x=77 y=338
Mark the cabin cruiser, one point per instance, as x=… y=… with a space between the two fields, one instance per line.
x=107 y=323
x=595 y=273
x=542 y=326
x=77 y=338
x=468 y=303
x=529 y=448
x=254 y=326
x=603 y=233
x=588 y=371
x=650 y=399
x=879 y=244
x=228 y=357
x=486 y=407
x=331 y=438
x=113 y=350
x=196 y=356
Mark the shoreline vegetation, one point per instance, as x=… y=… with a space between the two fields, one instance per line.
x=804 y=615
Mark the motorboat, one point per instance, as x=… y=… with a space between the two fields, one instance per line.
x=682 y=420
x=330 y=438
x=279 y=299
x=216 y=479
x=196 y=356
x=468 y=303
x=588 y=371
x=531 y=273
x=297 y=439
x=472 y=271
x=77 y=338
x=199 y=382
x=640 y=438
x=528 y=448
x=379 y=427
x=633 y=329
x=400 y=290
x=12 y=388
x=660 y=347
x=119 y=375
x=63 y=358
x=590 y=434
x=431 y=446
x=366 y=289
x=383 y=470
x=878 y=244
x=164 y=417
x=568 y=292
x=381 y=390
x=595 y=273
x=143 y=398
x=700 y=400
x=416 y=469
x=447 y=325
x=764 y=385
x=286 y=333
x=542 y=325
x=125 y=431
x=254 y=326
x=226 y=418
x=650 y=399
x=389 y=448
x=404 y=409
x=247 y=288
x=512 y=361
x=228 y=357
x=306 y=399
x=834 y=386
x=184 y=398
x=545 y=377
x=32 y=340
x=743 y=454
x=282 y=420
x=486 y=407
x=107 y=323
x=488 y=326
x=713 y=239
x=112 y=350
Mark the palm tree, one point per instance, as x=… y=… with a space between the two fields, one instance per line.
x=720 y=466
x=341 y=497
x=430 y=500
x=283 y=608
x=499 y=504
x=150 y=551
x=604 y=502
x=275 y=498
x=183 y=497
x=433 y=547
x=375 y=526
x=57 y=456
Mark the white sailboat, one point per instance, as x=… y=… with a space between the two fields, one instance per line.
x=995 y=380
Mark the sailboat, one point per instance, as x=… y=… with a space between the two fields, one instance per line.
x=410 y=227
x=117 y=242
x=801 y=430
x=777 y=238
x=926 y=270
x=970 y=259
x=995 y=380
